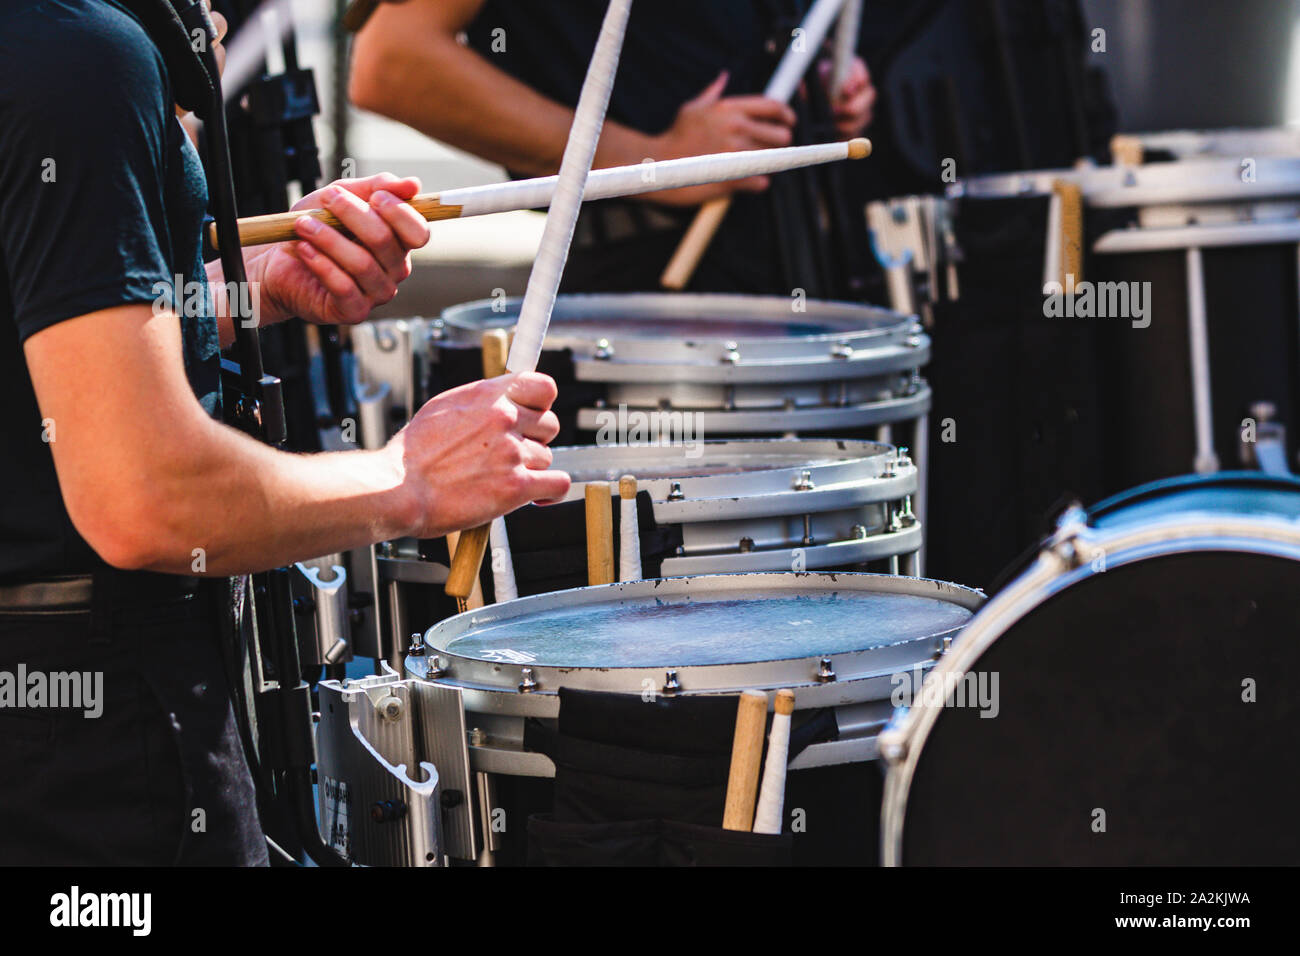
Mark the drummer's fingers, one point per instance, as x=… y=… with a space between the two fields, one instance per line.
x=533 y=455
x=539 y=426
x=531 y=390
x=544 y=486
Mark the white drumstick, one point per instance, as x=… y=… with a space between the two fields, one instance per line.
x=629 y=533
x=557 y=235
x=846 y=45
x=804 y=47
x=503 y=563
x=771 y=795
x=601 y=184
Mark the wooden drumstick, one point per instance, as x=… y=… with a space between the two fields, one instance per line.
x=1070 y=196
x=600 y=534
x=557 y=234
x=746 y=758
x=803 y=48
x=771 y=795
x=467 y=555
x=608 y=183
x=629 y=531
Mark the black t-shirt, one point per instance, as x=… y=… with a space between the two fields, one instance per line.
x=102 y=198
x=672 y=51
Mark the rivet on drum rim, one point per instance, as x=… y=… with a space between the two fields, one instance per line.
x=675 y=491
x=804 y=482
x=825 y=671
x=842 y=350
x=527 y=685
x=604 y=350
x=671 y=684
x=746 y=545
x=732 y=354
x=437 y=667
x=416 y=648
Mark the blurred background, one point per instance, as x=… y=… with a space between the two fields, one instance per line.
x=1167 y=65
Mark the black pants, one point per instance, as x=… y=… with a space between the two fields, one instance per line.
x=159 y=778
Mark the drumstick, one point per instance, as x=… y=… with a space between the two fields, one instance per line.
x=600 y=534
x=357 y=13
x=746 y=756
x=794 y=64
x=463 y=581
x=608 y=183
x=629 y=533
x=771 y=795
x=846 y=45
x=504 y=587
x=557 y=234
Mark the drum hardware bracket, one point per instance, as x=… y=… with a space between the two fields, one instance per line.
x=1070 y=543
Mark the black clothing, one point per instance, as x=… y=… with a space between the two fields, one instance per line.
x=102 y=198
x=673 y=50
x=102 y=201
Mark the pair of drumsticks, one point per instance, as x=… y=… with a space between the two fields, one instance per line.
x=743 y=790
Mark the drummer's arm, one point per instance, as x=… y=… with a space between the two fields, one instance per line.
x=153 y=483
x=408 y=64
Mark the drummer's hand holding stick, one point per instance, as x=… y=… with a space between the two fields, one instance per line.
x=851 y=102
x=553 y=251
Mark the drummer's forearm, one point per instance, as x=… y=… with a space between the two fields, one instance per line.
x=429 y=81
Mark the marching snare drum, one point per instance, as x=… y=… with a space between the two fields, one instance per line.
x=1143 y=711
x=706 y=508
x=758 y=505
x=837 y=640
x=1172 y=348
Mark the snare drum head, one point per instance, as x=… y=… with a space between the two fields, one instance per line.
x=737 y=626
x=1143 y=714
x=718 y=633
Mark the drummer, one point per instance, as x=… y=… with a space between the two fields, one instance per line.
x=688 y=84
x=120 y=486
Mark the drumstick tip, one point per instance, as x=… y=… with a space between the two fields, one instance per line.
x=859 y=148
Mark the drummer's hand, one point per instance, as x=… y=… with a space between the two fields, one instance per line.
x=479 y=451
x=334 y=279
x=853 y=107
x=712 y=123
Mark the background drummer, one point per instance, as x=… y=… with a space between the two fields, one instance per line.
x=688 y=83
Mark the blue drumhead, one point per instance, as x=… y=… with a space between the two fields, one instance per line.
x=732 y=628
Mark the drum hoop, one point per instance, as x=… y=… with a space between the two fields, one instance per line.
x=903 y=741
x=1157 y=184
x=844 y=481
x=806 y=418
x=886 y=327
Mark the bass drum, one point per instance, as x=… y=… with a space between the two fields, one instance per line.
x=1142 y=711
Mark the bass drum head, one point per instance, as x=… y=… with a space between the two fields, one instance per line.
x=1145 y=716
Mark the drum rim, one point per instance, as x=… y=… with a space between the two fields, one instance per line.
x=1063 y=562
x=752 y=492
x=757 y=308
x=861 y=666
x=1154 y=184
